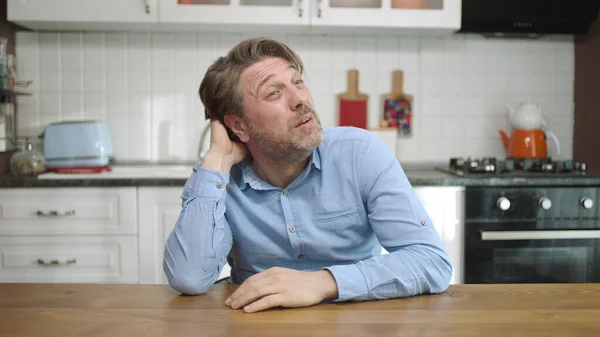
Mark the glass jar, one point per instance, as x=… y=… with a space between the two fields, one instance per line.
x=28 y=162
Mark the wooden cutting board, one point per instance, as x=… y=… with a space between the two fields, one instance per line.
x=353 y=104
x=398 y=107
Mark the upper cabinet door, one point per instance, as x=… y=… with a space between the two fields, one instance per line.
x=412 y=14
x=265 y=12
x=36 y=12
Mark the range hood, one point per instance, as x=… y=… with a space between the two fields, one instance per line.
x=528 y=17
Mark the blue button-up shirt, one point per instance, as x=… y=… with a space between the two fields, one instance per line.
x=351 y=200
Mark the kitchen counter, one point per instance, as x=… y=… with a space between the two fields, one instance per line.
x=30 y=310
x=176 y=175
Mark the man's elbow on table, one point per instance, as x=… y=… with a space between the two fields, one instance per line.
x=185 y=284
x=443 y=267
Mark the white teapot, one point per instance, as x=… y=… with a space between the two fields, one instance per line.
x=527 y=116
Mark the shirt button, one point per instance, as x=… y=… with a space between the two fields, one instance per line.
x=219 y=185
x=285 y=192
x=423 y=222
x=300 y=257
x=214 y=225
x=292 y=229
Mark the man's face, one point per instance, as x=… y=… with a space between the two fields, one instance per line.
x=282 y=122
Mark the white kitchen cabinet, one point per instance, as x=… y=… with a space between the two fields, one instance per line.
x=70 y=211
x=263 y=12
x=76 y=234
x=82 y=14
x=159 y=208
x=444 y=15
x=445 y=207
x=68 y=259
x=270 y=16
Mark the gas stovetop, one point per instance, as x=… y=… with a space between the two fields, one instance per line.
x=514 y=167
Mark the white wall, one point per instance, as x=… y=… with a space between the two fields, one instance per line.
x=144 y=85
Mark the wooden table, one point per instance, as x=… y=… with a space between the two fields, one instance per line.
x=66 y=310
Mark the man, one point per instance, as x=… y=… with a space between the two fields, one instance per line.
x=300 y=212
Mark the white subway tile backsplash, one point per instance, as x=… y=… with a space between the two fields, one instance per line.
x=117 y=106
x=342 y=57
x=163 y=82
x=453 y=84
x=563 y=62
x=453 y=105
x=27 y=52
x=431 y=105
x=71 y=81
x=563 y=83
x=138 y=57
x=474 y=62
x=183 y=52
x=453 y=127
x=475 y=84
x=433 y=127
x=498 y=62
x=71 y=106
x=71 y=52
x=431 y=84
x=94 y=47
x=185 y=83
x=116 y=81
x=409 y=54
x=50 y=105
x=145 y=86
x=432 y=53
x=139 y=82
x=94 y=106
x=49 y=51
x=116 y=52
x=476 y=105
x=366 y=57
x=93 y=81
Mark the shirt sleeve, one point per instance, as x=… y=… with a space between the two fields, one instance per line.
x=196 y=249
x=417 y=262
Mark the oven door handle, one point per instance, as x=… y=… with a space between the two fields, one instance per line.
x=540 y=235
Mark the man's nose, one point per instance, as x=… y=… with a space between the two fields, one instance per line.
x=297 y=99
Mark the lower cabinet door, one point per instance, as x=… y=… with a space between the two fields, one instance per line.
x=68 y=259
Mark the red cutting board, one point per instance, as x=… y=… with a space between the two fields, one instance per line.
x=353 y=104
x=398 y=107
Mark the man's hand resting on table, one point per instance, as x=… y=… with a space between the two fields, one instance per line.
x=283 y=287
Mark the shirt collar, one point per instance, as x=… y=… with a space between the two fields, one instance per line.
x=249 y=177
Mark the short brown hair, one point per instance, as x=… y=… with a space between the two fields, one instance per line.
x=220 y=91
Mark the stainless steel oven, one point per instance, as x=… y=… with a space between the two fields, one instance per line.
x=532 y=235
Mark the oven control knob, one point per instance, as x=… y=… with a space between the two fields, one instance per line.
x=503 y=203
x=545 y=203
x=586 y=202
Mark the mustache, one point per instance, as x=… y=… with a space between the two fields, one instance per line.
x=301 y=113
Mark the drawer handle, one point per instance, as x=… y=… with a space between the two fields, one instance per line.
x=55 y=213
x=55 y=262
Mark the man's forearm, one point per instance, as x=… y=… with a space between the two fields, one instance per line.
x=408 y=271
x=196 y=248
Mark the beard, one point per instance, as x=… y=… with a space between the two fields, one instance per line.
x=290 y=145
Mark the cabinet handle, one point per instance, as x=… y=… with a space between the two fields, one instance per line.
x=55 y=213
x=55 y=262
x=147 y=6
x=319 y=10
x=299 y=8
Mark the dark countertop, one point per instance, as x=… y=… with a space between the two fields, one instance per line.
x=418 y=175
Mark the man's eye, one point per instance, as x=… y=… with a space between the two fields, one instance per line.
x=299 y=82
x=273 y=93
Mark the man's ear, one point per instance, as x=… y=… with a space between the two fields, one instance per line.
x=237 y=126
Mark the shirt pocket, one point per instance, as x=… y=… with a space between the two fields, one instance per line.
x=337 y=219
